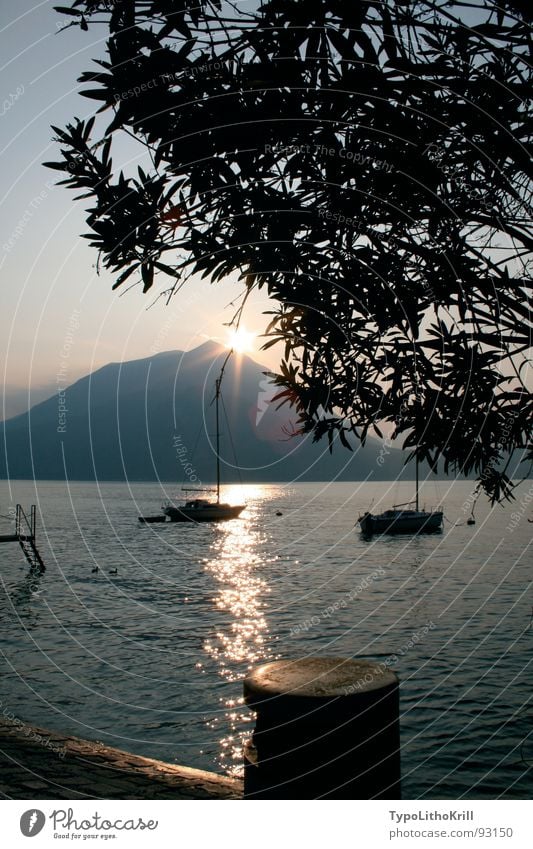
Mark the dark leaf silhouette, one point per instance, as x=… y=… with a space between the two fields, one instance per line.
x=365 y=163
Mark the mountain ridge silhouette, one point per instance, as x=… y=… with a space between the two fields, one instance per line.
x=153 y=418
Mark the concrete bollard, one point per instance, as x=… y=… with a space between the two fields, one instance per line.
x=325 y=728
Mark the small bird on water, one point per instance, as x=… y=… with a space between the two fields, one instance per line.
x=113 y=572
x=96 y=569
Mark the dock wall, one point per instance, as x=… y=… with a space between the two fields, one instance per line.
x=41 y=764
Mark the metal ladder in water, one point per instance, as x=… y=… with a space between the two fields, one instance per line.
x=25 y=532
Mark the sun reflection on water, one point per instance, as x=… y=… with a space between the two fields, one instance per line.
x=238 y=569
x=243 y=494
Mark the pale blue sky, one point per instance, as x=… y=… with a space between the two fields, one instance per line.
x=48 y=280
x=50 y=292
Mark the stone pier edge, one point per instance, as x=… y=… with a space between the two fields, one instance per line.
x=42 y=764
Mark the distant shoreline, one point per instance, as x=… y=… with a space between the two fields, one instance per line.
x=242 y=483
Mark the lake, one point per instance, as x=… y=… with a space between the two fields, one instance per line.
x=151 y=659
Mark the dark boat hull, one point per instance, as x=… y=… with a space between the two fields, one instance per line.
x=402 y=522
x=212 y=513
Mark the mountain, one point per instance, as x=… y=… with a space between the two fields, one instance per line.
x=153 y=419
x=18 y=399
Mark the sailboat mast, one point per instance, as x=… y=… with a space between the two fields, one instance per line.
x=416 y=464
x=217 y=393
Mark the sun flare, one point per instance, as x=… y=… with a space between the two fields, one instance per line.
x=241 y=340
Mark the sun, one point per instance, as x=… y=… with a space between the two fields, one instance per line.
x=241 y=340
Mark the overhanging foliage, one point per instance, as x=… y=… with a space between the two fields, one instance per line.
x=367 y=163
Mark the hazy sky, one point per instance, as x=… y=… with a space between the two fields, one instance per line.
x=57 y=313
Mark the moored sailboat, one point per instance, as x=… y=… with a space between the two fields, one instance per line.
x=400 y=520
x=203 y=509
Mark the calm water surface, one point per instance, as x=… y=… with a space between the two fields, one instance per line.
x=151 y=659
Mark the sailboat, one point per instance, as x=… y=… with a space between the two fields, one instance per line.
x=203 y=509
x=402 y=520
